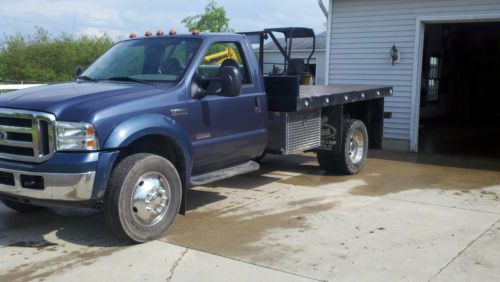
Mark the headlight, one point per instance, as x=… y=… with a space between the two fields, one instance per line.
x=76 y=136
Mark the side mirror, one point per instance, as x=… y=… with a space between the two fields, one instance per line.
x=227 y=83
x=78 y=71
x=230 y=80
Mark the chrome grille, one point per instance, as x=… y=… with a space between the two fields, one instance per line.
x=26 y=136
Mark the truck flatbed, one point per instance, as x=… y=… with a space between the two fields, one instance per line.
x=315 y=96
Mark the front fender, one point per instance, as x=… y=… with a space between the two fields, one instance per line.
x=150 y=124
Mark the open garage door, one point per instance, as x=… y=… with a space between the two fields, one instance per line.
x=460 y=91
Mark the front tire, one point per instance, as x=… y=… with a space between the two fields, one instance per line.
x=143 y=197
x=354 y=150
x=21 y=207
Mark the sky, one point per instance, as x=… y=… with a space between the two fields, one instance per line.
x=118 y=18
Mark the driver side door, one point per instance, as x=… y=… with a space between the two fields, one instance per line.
x=226 y=131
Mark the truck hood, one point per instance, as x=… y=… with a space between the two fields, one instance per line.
x=77 y=100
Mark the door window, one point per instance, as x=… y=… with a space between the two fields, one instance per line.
x=223 y=54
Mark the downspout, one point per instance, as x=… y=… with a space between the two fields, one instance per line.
x=329 y=15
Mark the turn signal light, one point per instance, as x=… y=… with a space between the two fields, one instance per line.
x=90 y=131
x=90 y=144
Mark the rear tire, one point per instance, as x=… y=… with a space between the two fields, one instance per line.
x=143 y=197
x=354 y=150
x=21 y=207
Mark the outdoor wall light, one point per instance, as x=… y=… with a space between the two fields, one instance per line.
x=394 y=54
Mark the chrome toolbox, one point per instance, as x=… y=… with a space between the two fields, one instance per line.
x=293 y=132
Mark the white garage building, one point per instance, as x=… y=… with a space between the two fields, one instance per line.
x=361 y=34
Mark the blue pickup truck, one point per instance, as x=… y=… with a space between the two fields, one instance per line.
x=158 y=114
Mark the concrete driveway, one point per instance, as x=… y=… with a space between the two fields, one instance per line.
x=405 y=217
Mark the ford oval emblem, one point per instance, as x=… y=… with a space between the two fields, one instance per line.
x=3 y=135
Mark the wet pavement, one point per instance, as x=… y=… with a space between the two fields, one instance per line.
x=404 y=217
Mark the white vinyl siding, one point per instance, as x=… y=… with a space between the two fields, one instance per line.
x=362 y=34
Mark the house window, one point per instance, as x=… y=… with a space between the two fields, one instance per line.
x=434 y=72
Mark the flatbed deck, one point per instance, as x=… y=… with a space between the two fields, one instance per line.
x=316 y=96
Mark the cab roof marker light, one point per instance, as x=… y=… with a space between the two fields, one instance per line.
x=195 y=32
x=159 y=32
x=148 y=33
x=172 y=32
x=132 y=35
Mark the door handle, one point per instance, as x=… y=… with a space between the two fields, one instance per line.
x=258 y=104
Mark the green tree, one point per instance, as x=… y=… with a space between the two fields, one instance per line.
x=214 y=19
x=43 y=58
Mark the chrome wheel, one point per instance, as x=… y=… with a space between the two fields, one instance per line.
x=356 y=147
x=150 y=199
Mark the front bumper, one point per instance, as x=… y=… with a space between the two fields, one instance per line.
x=56 y=186
x=69 y=179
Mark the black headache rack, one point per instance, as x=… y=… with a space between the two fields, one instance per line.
x=289 y=33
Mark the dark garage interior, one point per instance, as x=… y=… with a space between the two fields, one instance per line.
x=460 y=96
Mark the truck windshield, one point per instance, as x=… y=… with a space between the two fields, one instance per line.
x=145 y=60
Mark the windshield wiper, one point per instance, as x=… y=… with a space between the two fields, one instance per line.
x=127 y=78
x=87 y=78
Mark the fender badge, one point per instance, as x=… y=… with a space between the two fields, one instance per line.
x=202 y=136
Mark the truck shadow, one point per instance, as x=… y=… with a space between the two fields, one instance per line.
x=273 y=169
x=55 y=229
x=200 y=198
x=50 y=229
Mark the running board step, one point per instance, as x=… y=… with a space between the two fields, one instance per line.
x=210 y=177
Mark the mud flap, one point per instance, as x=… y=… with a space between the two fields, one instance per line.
x=331 y=129
x=182 y=210
x=185 y=188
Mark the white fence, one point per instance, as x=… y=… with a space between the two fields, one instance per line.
x=11 y=87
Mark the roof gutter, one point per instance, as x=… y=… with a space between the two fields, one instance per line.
x=323 y=8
